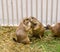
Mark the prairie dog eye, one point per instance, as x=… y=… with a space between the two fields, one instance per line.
x=27 y=19
x=34 y=25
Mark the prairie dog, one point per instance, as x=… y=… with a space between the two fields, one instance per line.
x=55 y=29
x=21 y=32
x=37 y=27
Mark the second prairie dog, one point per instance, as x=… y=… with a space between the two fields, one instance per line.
x=37 y=27
x=22 y=30
x=55 y=29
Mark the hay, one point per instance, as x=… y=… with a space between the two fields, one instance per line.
x=47 y=44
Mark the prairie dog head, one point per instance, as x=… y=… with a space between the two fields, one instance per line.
x=35 y=23
x=56 y=30
x=22 y=31
x=27 y=23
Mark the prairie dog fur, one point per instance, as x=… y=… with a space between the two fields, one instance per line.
x=37 y=27
x=21 y=32
x=55 y=29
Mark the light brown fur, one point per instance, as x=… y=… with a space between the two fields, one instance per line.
x=37 y=27
x=22 y=30
x=55 y=30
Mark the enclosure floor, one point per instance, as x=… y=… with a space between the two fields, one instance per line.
x=47 y=44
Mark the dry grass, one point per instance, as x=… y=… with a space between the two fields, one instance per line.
x=47 y=44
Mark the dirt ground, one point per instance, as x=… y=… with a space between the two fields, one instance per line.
x=47 y=44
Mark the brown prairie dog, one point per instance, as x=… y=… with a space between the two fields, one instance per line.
x=37 y=27
x=55 y=29
x=21 y=32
